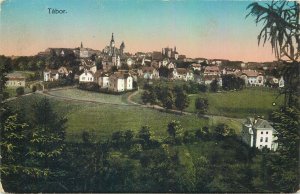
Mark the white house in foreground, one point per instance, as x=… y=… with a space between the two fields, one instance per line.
x=259 y=133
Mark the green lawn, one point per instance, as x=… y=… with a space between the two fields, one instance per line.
x=240 y=104
x=92 y=96
x=101 y=120
x=12 y=91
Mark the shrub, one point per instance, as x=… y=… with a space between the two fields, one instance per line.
x=20 y=91
x=89 y=86
x=33 y=89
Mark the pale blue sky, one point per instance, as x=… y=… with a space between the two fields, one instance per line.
x=213 y=29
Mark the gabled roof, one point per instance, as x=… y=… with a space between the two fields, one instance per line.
x=251 y=73
x=212 y=68
x=261 y=123
x=54 y=71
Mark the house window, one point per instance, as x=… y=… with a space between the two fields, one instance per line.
x=261 y=139
x=262 y=132
x=266 y=140
x=83 y=78
x=267 y=132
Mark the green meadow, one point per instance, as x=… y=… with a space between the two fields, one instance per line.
x=101 y=120
x=240 y=104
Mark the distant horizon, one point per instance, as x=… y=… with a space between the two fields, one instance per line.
x=135 y=53
x=199 y=29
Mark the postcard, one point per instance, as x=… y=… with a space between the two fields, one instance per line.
x=165 y=96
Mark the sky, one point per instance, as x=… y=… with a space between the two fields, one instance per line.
x=210 y=29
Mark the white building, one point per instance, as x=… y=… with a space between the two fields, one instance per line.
x=86 y=76
x=281 y=82
x=259 y=133
x=196 y=66
x=120 y=81
x=50 y=75
x=148 y=73
x=183 y=74
x=103 y=80
x=15 y=80
x=252 y=78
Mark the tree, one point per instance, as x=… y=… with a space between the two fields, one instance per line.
x=223 y=130
x=145 y=135
x=46 y=143
x=286 y=123
x=214 y=86
x=230 y=82
x=181 y=101
x=167 y=98
x=5 y=67
x=13 y=152
x=20 y=91
x=201 y=105
x=281 y=26
x=175 y=130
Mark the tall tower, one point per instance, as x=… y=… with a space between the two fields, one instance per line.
x=81 y=45
x=122 y=47
x=112 y=41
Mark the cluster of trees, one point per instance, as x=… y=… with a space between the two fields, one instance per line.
x=166 y=96
x=177 y=96
x=28 y=63
x=231 y=82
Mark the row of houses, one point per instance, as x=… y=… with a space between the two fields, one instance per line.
x=119 y=81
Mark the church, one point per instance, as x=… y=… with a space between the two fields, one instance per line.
x=112 y=50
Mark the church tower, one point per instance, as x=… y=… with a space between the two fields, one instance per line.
x=112 y=41
x=122 y=47
x=81 y=45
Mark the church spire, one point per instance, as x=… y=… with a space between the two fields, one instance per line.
x=81 y=45
x=112 y=37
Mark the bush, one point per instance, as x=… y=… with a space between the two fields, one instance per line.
x=33 y=89
x=202 y=88
x=58 y=83
x=89 y=86
x=20 y=91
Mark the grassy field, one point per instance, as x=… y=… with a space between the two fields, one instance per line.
x=101 y=120
x=92 y=96
x=240 y=104
x=12 y=91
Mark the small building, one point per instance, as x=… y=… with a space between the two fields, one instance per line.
x=103 y=80
x=64 y=71
x=120 y=82
x=281 y=82
x=15 y=80
x=148 y=73
x=51 y=75
x=212 y=70
x=183 y=74
x=196 y=66
x=86 y=77
x=259 y=133
x=252 y=77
